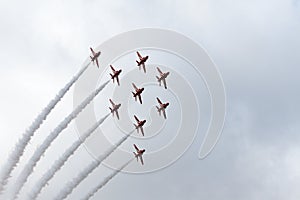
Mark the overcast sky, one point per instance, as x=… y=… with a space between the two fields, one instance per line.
x=256 y=46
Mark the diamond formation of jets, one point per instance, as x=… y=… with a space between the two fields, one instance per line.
x=139 y=125
x=162 y=77
x=114 y=109
x=141 y=62
x=137 y=93
x=162 y=107
x=95 y=56
x=139 y=154
x=115 y=74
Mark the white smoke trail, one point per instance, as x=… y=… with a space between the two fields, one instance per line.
x=19 y=148
x=57 y=165
x=70 y=186
x=28 y=169
x=105 y=181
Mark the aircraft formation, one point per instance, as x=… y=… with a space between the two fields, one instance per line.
x=137 y=94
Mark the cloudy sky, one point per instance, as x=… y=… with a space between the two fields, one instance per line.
x=255 y=45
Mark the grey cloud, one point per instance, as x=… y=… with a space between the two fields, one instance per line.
x=256 y=46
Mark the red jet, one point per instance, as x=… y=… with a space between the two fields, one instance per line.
x=162 y=77
x=115 y=74
x=142 y=61
x=139 y=154
x=139 y=125
x=162 y=107
x=138 y=92
x=114 y=108
x=95 y=56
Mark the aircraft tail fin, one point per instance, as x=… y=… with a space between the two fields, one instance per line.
x=158 y=110
x=136 y=156
x=112 y=78
x=137 y=62
x=159 y=81
x=136 y=127
x=111 y=111
x=134 y=95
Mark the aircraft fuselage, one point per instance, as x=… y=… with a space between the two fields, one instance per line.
x=138 y=92
x=165 y=75
x=117 y=73
x=116 y=107
x=143 y=60
x=141 y=123
x=96 y=56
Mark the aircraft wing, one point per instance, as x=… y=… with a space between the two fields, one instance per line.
x=136 y=148
x=164 y=113
x=142 y=130
x=118 y=80
x=158 y=100
x=112 y=68
x=93 y=52
x=165 y=83
x=144 y=67
x=134 y=86
x=140 y=98
x=112 y=103
x=160 y=72
x=117 y=113
x=97 y=62
x=139 y=55
x=141 y=158
x=135 y=117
